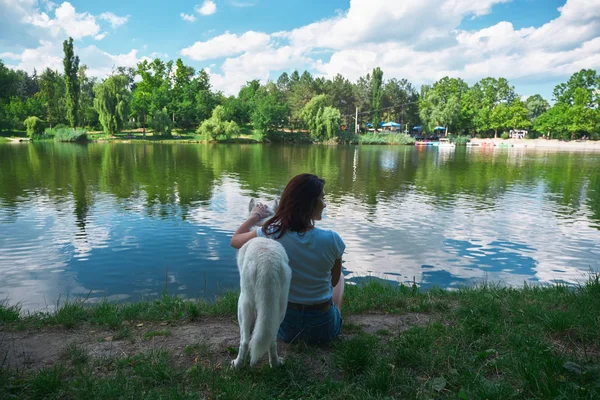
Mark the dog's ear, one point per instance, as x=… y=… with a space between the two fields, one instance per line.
x=251 y=205
x=275 y=204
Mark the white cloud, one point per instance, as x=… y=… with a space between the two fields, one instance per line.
x=207 y=8
x=100 y=63
x=421 y=41
x=47 y=55
x=49 y=5
x=226 y=45
x=188 y=17
x=10 y=56
x=77 y=25
x=115 y=20
x=256 y=65
x=100 y=36
x=156 y=54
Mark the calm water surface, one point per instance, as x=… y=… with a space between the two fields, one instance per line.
x=120 y=221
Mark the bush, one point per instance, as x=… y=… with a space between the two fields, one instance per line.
x=34 y=126
x=60 y=126
x=290 y=137
x=347 y=137
x=215 y=127
x=392 y=138
x=161 y=123
x=505 y=135
x=68 y=134
x=461 y=140
x=232 y=130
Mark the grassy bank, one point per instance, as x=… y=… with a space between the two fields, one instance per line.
x=475 y=343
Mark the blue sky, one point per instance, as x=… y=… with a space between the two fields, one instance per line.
x=533 y=43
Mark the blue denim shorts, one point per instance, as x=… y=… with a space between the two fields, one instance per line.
x=311 y=327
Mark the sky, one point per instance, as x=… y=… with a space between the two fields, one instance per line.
x=535 y=44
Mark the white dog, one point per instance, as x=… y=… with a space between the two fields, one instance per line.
x=265 y=277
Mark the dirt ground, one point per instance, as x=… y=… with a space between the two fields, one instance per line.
x=32 y=350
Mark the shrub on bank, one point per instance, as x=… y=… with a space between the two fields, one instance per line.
x=461 y=140
x=391 y=138
x=67 y=134
x=505 y=135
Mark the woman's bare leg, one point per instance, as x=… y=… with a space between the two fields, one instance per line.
x=338 y=293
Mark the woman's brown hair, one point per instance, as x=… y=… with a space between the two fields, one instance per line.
x=296 y=206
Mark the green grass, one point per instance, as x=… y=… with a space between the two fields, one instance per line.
x=4 y=140
x=72 y=313
x=484 y=342
x=151 y=334
x=75 y=355
x=386 y=138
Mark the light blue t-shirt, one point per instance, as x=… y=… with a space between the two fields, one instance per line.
x=312 y=255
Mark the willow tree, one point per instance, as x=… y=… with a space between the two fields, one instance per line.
x=112 y=103
x=71 y=64
x=322 y=120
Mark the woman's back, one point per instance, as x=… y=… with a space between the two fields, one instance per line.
x=312 y=255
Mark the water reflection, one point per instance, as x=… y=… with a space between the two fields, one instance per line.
x=126 y=221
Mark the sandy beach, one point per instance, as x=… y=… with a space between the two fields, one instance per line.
x=551 y=144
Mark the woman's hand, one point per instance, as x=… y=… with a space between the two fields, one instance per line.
x=261 y=210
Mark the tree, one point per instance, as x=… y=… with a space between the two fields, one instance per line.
x=322 y=120
x=216 y=126
x=500 y=118
x=341 y=93
x=536 y=106
x=554 y=122
x=153 y=92
x=301 y=91
x=519 y=115
x=586 y=79
x=52 y=89
x=112 y=102
x=329 y=122
x=71 y=65
x=161 y=123
x=311 y=113
x=283 y=83
x=402 y=97
x=270 y=111
x=480 y=101
x=87 y=114
x=580 y=116
x=183 y=96
x=376 y=95
x=441 y=104
x=35 y=126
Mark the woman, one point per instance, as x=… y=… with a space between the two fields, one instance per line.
x=315 y=300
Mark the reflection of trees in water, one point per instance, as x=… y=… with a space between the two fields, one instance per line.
x=175 y=178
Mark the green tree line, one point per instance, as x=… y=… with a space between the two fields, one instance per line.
x=164 y=95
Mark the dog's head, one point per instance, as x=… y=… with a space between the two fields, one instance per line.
x=270 y=211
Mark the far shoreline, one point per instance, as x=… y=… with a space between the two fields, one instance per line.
x=551 y=144
x=547 y=144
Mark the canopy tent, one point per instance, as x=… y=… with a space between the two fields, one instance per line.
x=439 y=128
x=391 y=123
x=417 y=128
x=370 y=125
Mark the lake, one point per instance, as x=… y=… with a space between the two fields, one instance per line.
x=125 y=221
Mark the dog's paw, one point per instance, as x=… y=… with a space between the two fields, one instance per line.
x=279 y=363
x=235 y=364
